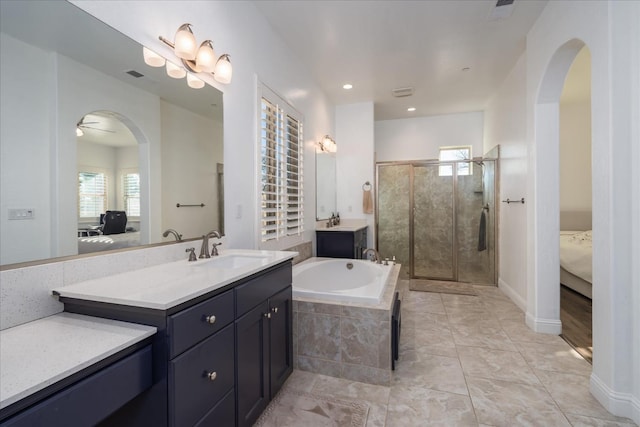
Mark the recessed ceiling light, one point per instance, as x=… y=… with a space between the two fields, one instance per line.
x=466 y=69
x=411 y=109
x=347 y=86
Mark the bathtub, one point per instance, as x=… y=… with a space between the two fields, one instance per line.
x=344 y=280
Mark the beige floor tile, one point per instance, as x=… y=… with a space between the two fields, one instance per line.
x=436 y=373
x=415 y=344
x=502 y=403
x=462 y=317
x=554 y=357
x=519 y=331
x=582 y=421
x=425 y=321
x=426 y=302
x=342 y=388
x=301 y=380
x=571 y=393
x=419 y=406
x=377 y=416
x=474 y=336
x=496 y=364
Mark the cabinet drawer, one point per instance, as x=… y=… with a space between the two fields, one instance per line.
x=259 y=289
x=192 y=325
x=86 y=402
x=191 y=392
x=223 y=414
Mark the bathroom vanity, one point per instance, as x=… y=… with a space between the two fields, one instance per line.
x=341 y=241
x=223 y=346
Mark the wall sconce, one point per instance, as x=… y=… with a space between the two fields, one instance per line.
x=328 y=145
x=196 y=59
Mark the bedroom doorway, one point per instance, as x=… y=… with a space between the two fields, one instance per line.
x=576 y=206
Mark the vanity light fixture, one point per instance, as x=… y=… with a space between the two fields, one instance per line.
x=194 y=58
x=347 y=86
x=411 y=109
x=328 y=145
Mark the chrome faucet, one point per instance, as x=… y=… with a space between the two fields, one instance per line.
x=376 y=255
x=174 y=232
x=204 y=249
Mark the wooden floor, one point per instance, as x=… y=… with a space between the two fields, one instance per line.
x=575 y=314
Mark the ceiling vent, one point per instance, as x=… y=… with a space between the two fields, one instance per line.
x=402 y=92
x=503 y=10
x=134 y=73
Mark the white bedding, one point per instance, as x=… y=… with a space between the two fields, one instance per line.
x=107 y=242
x=576 y=249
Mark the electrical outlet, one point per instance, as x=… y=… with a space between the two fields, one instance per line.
x=21 y=214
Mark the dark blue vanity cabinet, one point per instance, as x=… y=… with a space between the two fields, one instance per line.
x=89 y=396
x=264 y=343
x=341 y=244
x=218 y=359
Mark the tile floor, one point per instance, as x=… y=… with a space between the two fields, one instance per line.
x=472 y=361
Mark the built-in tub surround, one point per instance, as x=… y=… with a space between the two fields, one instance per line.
x=350 y=340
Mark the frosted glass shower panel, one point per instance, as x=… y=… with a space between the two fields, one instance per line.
x=393 y=213
x=433 y=223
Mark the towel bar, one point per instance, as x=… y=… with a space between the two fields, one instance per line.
x=513 y=201
x=178 y=205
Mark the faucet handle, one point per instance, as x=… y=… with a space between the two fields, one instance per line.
x=214 y=249
x=192 y=254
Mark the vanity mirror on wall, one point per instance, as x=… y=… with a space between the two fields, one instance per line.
x=91 y=135
x=325 y=184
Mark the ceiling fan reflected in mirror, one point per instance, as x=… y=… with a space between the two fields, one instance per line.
x=82 y=124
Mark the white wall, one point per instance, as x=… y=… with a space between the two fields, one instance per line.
x=257 y=53
x=355 y=161
x=505 y=124
x=605 y=27
x=24 y=136
x=189 y=171
x=420 y=138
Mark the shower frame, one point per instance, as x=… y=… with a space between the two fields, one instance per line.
x=454 y=247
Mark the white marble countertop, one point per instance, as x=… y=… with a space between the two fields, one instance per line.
x=40 y=353
x=342 y=228
x=167 y=285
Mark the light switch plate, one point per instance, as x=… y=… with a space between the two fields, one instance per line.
x=21 y=214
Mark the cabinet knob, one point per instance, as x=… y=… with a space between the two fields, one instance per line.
x=212 y=375
x=210 y=319
x=267 y=315
x=274 y=309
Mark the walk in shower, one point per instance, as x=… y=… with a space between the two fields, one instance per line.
x=439 y=218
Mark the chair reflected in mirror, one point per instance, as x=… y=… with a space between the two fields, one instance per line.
x=115 y=222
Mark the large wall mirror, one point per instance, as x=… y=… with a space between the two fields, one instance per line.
x=325 y=184
x=87 y=127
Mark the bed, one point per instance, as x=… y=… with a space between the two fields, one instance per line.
x=576 y=252
x=101 y=242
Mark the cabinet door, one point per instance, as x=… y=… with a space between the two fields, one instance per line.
x=252 y=352
x=281 y=347
x=335 y=244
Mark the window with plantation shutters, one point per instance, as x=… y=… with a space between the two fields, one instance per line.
x=131 y=193
x=92 y=194
x=281 y=175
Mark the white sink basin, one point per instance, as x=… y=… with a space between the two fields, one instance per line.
x=230 y=261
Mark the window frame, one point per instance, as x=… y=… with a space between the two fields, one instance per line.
x=96 y=171
x=122 y=173
x=442 y=169
x=282 y=237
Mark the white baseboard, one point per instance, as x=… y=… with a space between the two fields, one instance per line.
x=544 y=326
x=512 y=294
x=620 y=404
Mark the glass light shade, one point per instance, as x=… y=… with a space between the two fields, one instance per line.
x=79 y=132
x=174 y=71
x=185 y=43
x=151 y=58
x=223 y=71
x=206 y=58
x=194 y=82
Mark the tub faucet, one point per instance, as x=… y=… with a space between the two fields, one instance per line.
x=174 y=232
x=376 y=255
x=204 y=249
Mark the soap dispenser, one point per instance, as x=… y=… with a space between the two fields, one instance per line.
x=337 y=218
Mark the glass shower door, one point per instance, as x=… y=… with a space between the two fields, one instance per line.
x=433 y=222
